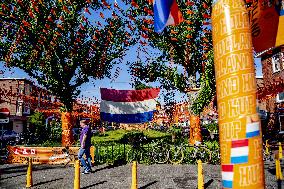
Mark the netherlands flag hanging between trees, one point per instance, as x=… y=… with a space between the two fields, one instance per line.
x=166 y=12
x=128 y=106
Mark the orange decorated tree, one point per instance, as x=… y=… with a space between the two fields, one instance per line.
x=57 y=44
x=186 y=45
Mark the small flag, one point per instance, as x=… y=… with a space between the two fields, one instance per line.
x=166 y=12
x=128 y=106
x=227 y=176
x=252 y=129
x=239 y=151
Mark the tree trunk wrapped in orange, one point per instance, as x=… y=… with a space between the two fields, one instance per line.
x=195 y=130
x=67 y=135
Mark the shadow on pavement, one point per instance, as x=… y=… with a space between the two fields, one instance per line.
x=208 y=183
x=108 y=167
x=13 y=176
x=40 y=183
x=149 y=184
x=23 y=168
x=14 y=167
x=90 y=186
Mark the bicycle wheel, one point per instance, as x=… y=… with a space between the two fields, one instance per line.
x=160 y=155
x=203 y=154
x=176 y=155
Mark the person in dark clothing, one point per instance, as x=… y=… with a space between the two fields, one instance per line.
x=85 y=142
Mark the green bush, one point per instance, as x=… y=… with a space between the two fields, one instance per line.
x=212 y=127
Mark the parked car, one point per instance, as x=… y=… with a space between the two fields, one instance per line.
x=9 y=135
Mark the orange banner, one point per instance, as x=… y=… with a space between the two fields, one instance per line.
x=41 y=155
x=239 y=125
x=267 y=24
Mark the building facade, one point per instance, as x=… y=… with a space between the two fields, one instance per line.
x=21 y=97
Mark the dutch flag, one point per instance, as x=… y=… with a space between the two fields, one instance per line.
x=166 y=12
x=252 y=129
x=227 y=176
x=128 y=106
x=239 y=151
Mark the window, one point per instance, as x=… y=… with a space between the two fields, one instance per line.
x=27 y=108
x=19 y=108
x=276 y=62
x=280 y=97
x=21 y=89
x=27 y=89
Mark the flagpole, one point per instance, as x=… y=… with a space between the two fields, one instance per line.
x=239 y=124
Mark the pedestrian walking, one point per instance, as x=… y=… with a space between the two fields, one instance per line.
x=85 y=144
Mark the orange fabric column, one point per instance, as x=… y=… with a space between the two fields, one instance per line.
x=195 y=130
x=239 y=125
x=67 y=135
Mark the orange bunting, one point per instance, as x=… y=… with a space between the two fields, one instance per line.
x=206 y=16
x=102 y=15
x=206 y=23
x=65 y=9
x=189 y=12
x=174 y=39
x=87 y=10
x=49 y=19
x=82 y=27
x=173 y=32
x=189 y=3
x=188 y=29
x=188 y=22
x=144 y=36
x=131 y=17
x=31 y=13
x=205 y=5
x=189 y=36
x=61 y=18
x=26 y=23
x=134 y=4
x=143 y=43
x=60 y=27
x=106 y=4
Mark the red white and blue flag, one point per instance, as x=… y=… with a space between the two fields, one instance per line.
x=227 y=176
x=166 y=12
x=252 y=129
x=128 y=106
x=239 y=151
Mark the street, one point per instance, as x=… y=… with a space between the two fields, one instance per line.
x=158 y=176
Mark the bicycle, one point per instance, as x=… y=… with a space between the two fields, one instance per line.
x=160 y=152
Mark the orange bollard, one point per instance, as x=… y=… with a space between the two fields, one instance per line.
x=92 y=151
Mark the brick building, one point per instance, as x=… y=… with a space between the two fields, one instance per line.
x=272 y=92
x=21 y=96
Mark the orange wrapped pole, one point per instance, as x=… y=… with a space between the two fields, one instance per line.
x=239 y=125
x=67 y=135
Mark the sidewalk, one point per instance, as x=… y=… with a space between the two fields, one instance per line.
x=109 y=177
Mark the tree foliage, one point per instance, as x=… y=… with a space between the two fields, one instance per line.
x=57 y=42
x=187 y=45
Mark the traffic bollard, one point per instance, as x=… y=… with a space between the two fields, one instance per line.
x=29 y=174
x=77 y=175
x=134 y=184
x=279 y=175
x=92 y=152
x=200 y=175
